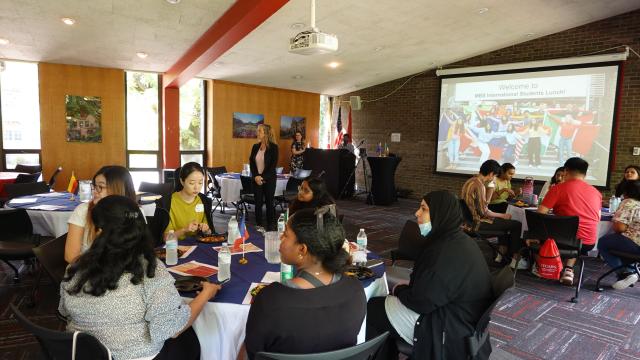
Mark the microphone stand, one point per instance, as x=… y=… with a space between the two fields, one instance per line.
x=363 y=154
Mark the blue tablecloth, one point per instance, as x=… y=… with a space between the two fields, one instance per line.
x=242 y=276
x=63 y=200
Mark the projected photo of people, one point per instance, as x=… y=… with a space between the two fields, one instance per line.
x=534 y=120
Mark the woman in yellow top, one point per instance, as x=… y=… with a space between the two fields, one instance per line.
x=503 y=191
x=186 y=211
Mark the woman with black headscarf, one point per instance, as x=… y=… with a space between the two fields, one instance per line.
x=449 y=289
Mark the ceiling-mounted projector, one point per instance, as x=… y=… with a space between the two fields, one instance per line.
x=313 y=41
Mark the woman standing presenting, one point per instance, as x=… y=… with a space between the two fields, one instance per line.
x=263 y=161
x=297 y=148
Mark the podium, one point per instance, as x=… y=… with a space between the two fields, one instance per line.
x=383 y=183
x=337 y=166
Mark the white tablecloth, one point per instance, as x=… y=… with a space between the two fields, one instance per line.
x=220 y=326
x=518 y=213
x=54 y=223
x=230 y=188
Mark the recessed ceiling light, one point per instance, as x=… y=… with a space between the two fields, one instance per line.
x=68 y=21
x=142 y=55
x=378 y=48
x=173 y=2
x=4 y=41
x=297 y=77
x=297 y=26
x=333 y=64
x=482 y=10
x=529 y=34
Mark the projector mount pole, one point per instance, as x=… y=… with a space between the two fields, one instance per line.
x=313 y=15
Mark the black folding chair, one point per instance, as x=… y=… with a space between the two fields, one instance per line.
x=214 y=191
x=484 y=235
x=153 y=188
x=364 y=351
x=563 y=230
x=50 y=256
x=60 y=344
x=27 y=178
x=52 y=180
x=17 y=239
x=628 y=260
x=246 y=195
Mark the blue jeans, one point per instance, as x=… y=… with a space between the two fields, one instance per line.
x=616 y=241
x=564 y=149
x=454 y=149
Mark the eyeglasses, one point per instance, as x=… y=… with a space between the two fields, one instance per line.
x=303 y=190
x=97 y=188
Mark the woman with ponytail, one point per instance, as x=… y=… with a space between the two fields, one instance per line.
x=118 y=292
x=449 y=289
x=319 y=309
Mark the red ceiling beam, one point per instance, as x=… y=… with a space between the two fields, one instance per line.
x=236 y=23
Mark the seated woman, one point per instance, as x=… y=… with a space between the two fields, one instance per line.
x=109 y=180
x=626 y=236
x=503 y=191
x=557 y=178
x=319 y=309
x=312 y=193
x=118 y=292
x=187 y=210
x=449 y=289
x=631 y=173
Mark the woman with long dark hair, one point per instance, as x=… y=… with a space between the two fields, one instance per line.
x=263 y=161
x=557 y=178
x=109 y=180
x=631 y=173
x=187 y=210
x=449 y=289
x=118 y=292
x=312 y=193
x=319 y=309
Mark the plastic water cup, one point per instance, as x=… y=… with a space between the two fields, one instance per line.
x=272 y=247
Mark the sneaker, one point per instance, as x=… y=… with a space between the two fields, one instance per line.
x=534 y=270
x=523 y=264
x=626 y=282
x=567 y=276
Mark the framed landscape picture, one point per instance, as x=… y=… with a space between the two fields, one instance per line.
x=84 y=118
x=290 y=124
x=245 y=126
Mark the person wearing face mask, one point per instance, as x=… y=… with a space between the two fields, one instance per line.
x=186 y=211
x=109 y=180
x=449 y=289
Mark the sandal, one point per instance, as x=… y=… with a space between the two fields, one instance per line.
x=567 y=276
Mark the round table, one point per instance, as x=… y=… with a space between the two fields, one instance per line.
x=230 y=186
x=221 y=324
x=518 y=213
x=50 y=212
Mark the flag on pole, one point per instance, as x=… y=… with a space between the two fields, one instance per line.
x=349 y=128
x=243 y=234
x=73 y=184
x=338 y=128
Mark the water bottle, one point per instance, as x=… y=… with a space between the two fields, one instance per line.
x=618 y=200
x=232 y=230
x=361 y=253
x=172 y=248
x=612 y=204
x=281 y=223
x=224 y=262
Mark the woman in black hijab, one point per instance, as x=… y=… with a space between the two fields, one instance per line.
x=449 y=289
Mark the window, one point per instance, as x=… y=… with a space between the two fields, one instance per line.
x=192 y=123
x=143 y=127
x=20 y=114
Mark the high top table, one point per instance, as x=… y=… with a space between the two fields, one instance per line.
x=383 y=183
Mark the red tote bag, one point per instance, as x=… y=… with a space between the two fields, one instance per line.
x=548 y=262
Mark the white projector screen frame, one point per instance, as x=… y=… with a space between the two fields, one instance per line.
x=493 y=115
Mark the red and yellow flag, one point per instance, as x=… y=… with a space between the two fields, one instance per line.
x=73 y=184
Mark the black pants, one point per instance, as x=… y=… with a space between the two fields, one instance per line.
x=499 y=208
x=264 y=195
x=534 y=151
x=184 y=347
x=377 y=324
x=512 y=240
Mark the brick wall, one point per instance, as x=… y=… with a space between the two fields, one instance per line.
x=414 y=109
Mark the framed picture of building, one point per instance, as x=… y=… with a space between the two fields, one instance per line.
x=290 y=124
x=84 y=118
x=246 y=125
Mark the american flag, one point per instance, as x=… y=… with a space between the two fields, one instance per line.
x=339 y=128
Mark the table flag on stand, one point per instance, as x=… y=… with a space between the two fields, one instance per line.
x=73 y=184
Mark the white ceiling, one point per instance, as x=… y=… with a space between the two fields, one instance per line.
x=412 y=35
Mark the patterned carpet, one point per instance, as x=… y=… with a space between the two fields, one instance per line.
x=534 y=320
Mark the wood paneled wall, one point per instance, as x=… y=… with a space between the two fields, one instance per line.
x=84 y=159
x=225 y=98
